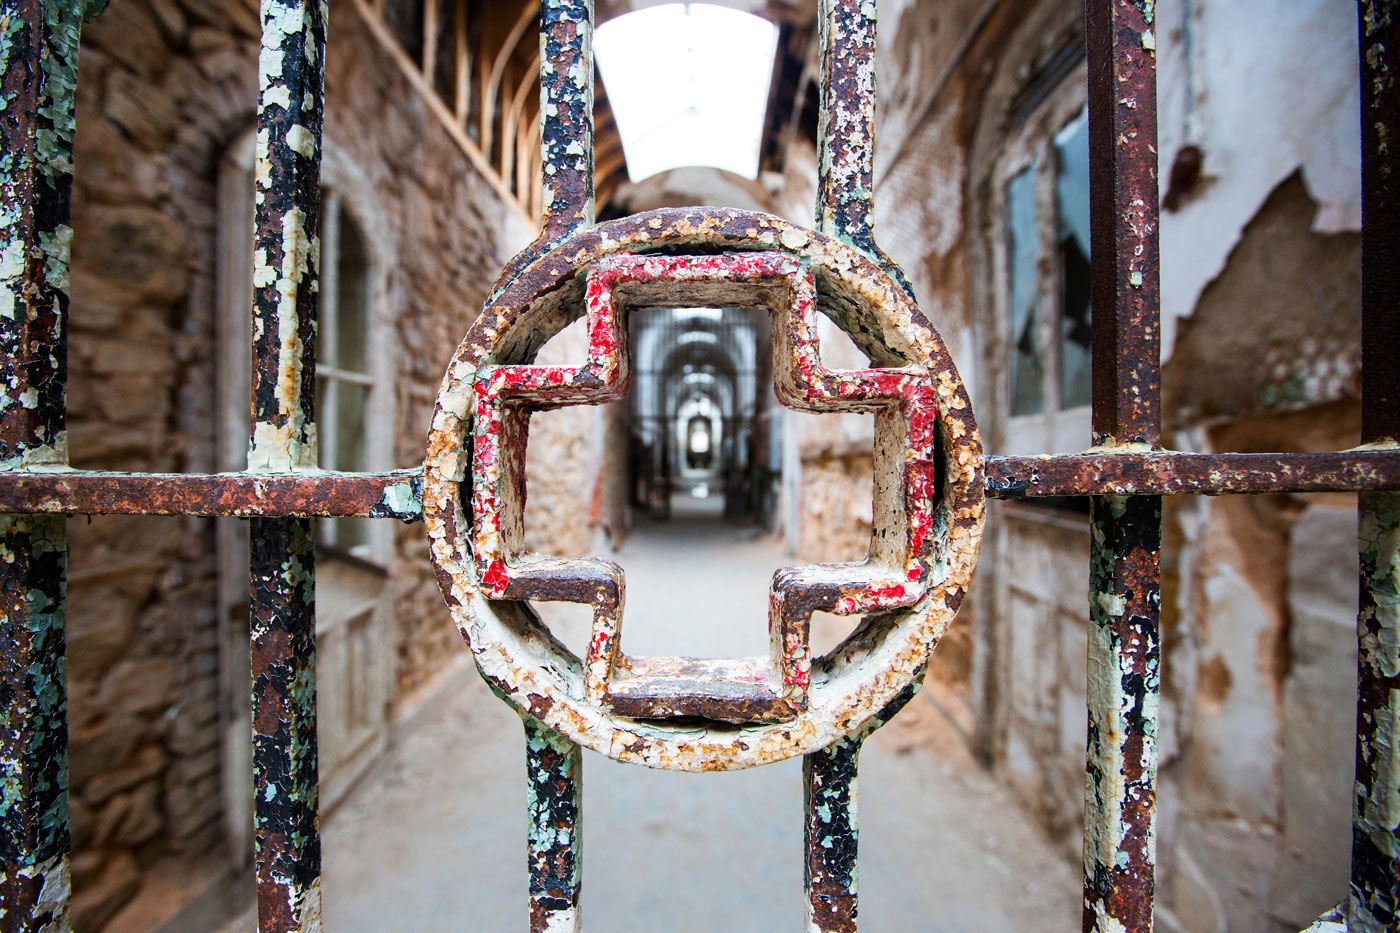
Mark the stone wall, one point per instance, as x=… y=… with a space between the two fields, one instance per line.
x=165 y=87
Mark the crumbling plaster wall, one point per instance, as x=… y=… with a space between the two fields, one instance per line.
x=165 y=86
x=1260 y=307
x=1264 y=90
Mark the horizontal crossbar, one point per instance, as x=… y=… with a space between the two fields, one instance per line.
x=398 y=493
x=1169 y=473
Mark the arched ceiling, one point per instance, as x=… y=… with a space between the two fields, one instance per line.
x=794 y=72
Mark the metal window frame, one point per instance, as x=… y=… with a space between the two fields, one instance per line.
x=1125 y=473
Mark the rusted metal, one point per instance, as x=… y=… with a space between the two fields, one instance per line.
x=677 y=713
x=566 y=129
x=282 y=564
x=831 y=828
x=738 y=691
x=1126 y=287
x=1124 y=679
x=1168 y=473
x=1124 y=571
x=397 y=494
x=1374 y=901
x=846 y=130
x=39 y=57
x=923 y=546
x=553 y=797
x=287 y=842
x=1380 y=236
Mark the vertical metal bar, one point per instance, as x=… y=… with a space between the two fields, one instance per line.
x=287 y=842
x=831 y=829
x=846 y=129
x=832 y=869
x=39 y=55
x=1124 y=658
x=1125 y=289
x=1124 y=575
x=565 y=128
x=846 y=31
x=1374 y=902
x=554 y=770
x=566 y=115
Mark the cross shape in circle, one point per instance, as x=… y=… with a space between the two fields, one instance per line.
x=894 y=575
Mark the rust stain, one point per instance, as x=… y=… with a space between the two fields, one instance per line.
x=921 y=556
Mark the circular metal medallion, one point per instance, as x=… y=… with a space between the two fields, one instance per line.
x=703 y=714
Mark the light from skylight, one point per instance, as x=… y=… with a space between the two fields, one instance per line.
x=688 y=84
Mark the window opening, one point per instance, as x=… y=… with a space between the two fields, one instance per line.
x=1047 y=215
x=343 y=377
x=1072 y=210
x=1023 y=248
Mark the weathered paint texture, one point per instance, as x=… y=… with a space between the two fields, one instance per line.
x=399 y=494
x=1375 y=880
x=286 y=268
x=39 y=56
x=1124 y=670
x=396 y=494
x=287 y=839
x=566 y=128
x=553 y=797
x=831 y=829
x=1168 y=473
x=902 y=557
x=286 y=252
x=34 y=730
x=925 y=545
x=1125 y=288
x=832 y=870
x=846 y=130
x=1124 y=572
x=1374 y=903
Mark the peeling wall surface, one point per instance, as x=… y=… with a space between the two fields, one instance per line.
x=1263 y=90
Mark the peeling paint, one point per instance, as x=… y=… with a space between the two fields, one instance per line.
x=1123 y=700
x=39 y=43
x=553 y=799
x=483 y=574
x=287 y=842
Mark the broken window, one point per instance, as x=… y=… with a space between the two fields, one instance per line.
x=1072 y=213
x=1023 y=247
x=1047 y=203
x=1042 y=238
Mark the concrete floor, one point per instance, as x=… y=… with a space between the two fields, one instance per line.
x=434 y=838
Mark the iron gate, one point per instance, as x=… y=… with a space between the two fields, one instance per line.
x=1125 y=473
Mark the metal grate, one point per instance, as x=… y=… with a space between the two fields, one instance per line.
x=1124 y=474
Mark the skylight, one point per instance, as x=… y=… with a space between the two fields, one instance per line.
x=688 y=84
